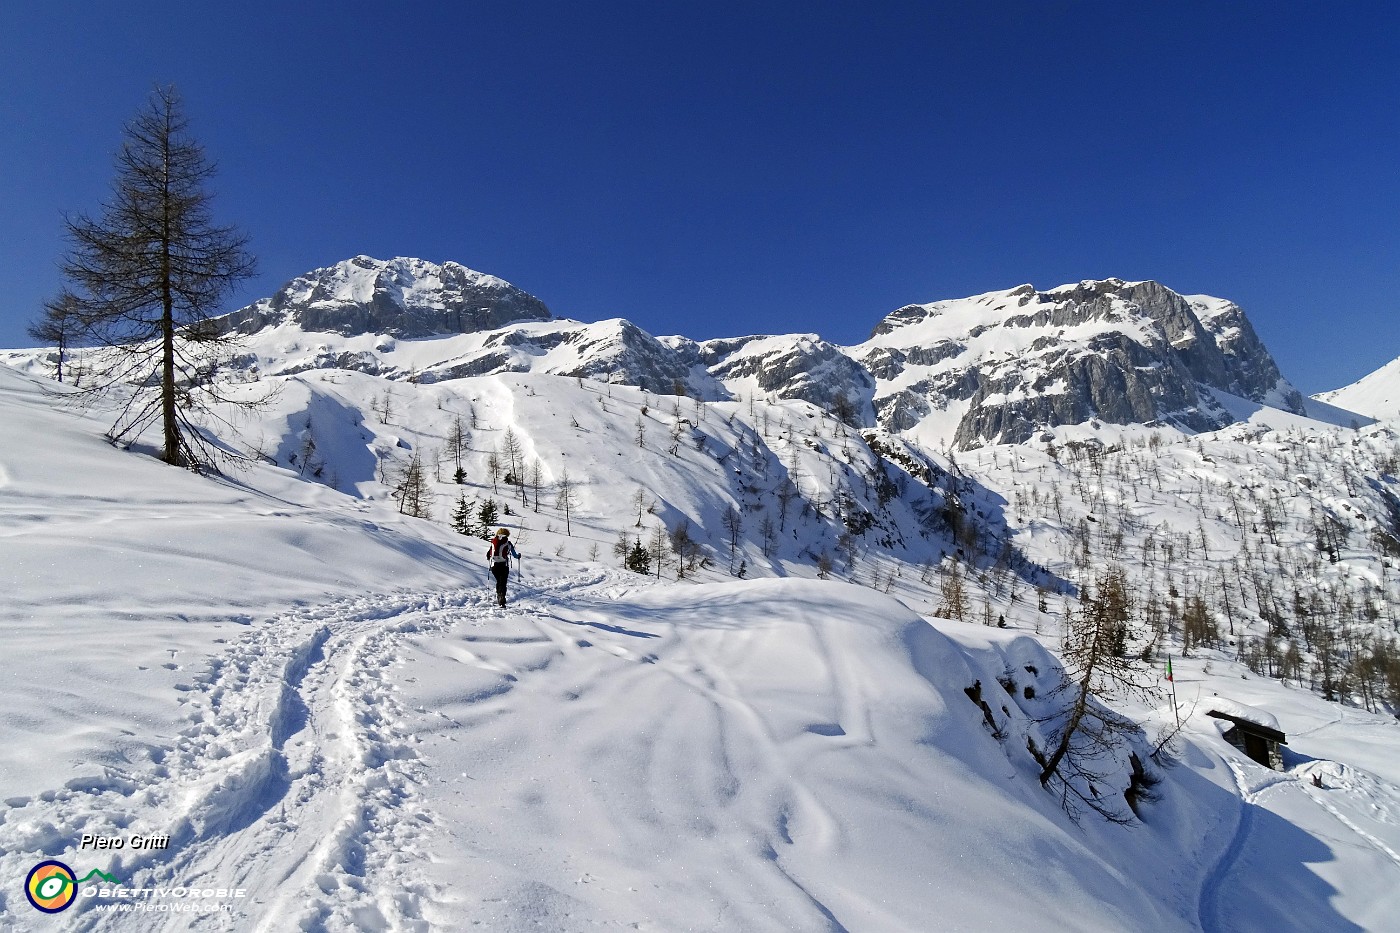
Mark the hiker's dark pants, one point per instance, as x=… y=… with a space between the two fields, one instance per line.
x=500 y=572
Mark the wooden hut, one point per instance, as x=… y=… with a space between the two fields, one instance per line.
x=1252 y=731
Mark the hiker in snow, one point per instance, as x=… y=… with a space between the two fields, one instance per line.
x=499 y=554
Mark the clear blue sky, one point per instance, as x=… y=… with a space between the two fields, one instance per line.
x=715 y=169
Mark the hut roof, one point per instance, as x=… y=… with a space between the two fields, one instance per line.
x=1251 y=718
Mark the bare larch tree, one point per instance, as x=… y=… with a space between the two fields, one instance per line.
x=1103 y=658
x=146 y=279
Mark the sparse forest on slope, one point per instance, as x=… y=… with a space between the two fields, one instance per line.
x=785 y=455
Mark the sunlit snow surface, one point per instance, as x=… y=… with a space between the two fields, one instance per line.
x=314 y=697
x=1376 y=394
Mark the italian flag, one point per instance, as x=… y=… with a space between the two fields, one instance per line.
x=1169 y=669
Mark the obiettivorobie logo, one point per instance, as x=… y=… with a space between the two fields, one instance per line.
x=52 y=886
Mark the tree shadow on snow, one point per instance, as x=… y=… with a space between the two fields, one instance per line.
x=615 y=629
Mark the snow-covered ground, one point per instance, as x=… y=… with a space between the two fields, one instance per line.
x=313 y=700
x=1376 y=394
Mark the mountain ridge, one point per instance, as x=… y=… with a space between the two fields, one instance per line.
x=1002 y=367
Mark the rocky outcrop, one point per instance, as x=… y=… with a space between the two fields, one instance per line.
x=1119 y=382
x=793 y=366
x=1024 y=361
x=363 y=362
x=407 y=298
x=615 y=351
x=620 y=351
x=1254 y=373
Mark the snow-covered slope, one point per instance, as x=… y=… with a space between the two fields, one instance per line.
x=613 y=350
x=310 y=698
x=120 y=574
x=1376 y=394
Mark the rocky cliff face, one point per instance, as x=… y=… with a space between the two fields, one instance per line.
x=407 y=298
x=1254 y=373
x=792 y=366
x=1002 y=367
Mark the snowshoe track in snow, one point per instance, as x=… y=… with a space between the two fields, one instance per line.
x=294 y=781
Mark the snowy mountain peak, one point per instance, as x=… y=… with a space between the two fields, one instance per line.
x=400 y=297
x=1005 y=366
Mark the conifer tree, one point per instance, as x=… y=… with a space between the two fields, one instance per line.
x=463 y=516
x=493 y=469
x=58 y=327
x=954 y=594
x=536 y=481
x=733 y=524
x=656 y=547
x=455 y=447
x=685 y=547
x=146 y=280
x=487 y=516
x=411 y=489
x=566 y=500
x=1087 y=734
x=512 y=450
x=638 y=560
